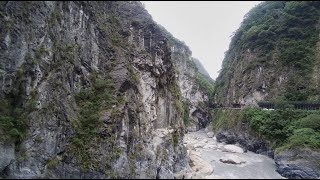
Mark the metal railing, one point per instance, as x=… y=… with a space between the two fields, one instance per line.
x=274 y=105
x=290 y=104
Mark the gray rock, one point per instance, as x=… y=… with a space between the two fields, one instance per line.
x=199 y=166
x=232 y=149
x=6 y=155
x=210 y=134
x=246 y=141
x=51 y=51
x=232 y=159
x=192 y=129
x=298 y=164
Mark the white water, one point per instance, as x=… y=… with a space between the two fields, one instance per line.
x=256 y=166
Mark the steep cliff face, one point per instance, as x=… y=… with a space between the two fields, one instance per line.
x=92 y=90
x=273 y=55
x=196 y=89
x=195 y=85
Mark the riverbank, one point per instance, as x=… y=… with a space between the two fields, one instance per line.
x=213 y=160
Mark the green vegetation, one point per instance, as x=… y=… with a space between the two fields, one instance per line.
x=310 y=121
x=271 y=124
x=134 y=75
x=7 y=26
x=112 y=27
x=204 y=84
x=55 y=17
x=186 y=111
x=13 y=121
x=179 y=106
x=40 y=52
x=52 y=163
x=30 y=62
x=65 y=54
x=175 y=138
x=281 y=32
x=90 y=132
x=284 y=33
x=287 y=26
x=15 y=107
x=190 y=62
x=226 y=118
x=304 y=137
x=284 y=128
x=178 y=101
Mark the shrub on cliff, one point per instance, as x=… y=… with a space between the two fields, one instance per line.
x=286 y=128
x=311 y=121
x=304 y=137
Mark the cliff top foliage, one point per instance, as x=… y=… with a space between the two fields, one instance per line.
x=281 y=32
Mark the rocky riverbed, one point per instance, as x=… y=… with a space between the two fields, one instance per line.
x=212 y=160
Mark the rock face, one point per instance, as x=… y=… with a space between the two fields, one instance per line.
x=6 y=155
x=265 y=54
x=93 y=90
x=298 y=164
x=270 y=59
x=196 y=97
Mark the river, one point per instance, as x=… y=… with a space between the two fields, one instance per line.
x=205 y=152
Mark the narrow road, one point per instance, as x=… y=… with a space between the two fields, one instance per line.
x=212 y=160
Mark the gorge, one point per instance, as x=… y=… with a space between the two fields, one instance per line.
x=100 y=90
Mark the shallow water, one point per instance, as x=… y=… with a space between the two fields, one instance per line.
x=256 y=166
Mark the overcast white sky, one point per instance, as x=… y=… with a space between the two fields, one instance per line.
x=205 y=26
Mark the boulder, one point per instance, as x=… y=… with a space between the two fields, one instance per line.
x=200 y=145
x=192 y=129
x=190 y=147
x=232 y=149
x=232 y=159
x=226 y=136
x=210 y=146
x=210 y=134
x=198 y=165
